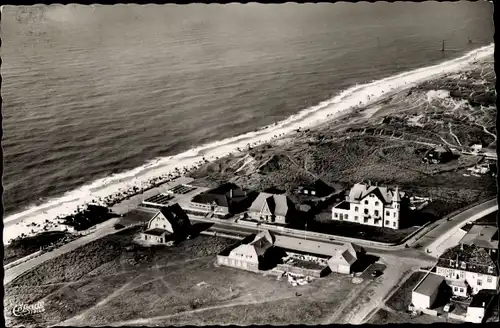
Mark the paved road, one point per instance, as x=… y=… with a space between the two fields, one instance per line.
x=446 y=228
x=16 y=271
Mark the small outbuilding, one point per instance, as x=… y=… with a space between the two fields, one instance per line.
x=426 y=291
x=476 y=311
x=439 y=154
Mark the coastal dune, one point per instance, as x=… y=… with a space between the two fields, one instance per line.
x=356 y=97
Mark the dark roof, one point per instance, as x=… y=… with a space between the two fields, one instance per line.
x=429 y=284
x=483 y=296
x=477 y=259
x=343 y=205
x=156 y=232
x=177 y=218
x=318 y=186
x=221 y=195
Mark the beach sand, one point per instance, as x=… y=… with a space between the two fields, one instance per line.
x=115 y=188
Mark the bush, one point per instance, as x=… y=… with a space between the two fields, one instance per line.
x=118 y=226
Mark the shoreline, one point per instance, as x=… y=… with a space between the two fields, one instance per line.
x=118 y=187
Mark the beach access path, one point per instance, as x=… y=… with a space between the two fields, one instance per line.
x=105 y=229
x=133 y=202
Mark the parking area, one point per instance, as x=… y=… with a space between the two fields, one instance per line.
x=373 y=271
x=182 y=189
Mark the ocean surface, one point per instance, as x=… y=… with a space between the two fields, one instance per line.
x=89 y=91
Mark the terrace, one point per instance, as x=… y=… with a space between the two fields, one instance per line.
x=182 y=189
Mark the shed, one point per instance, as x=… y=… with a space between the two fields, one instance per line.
x=479 y=305
x=426 y=291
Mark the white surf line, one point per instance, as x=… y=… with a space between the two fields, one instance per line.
x=350 y=99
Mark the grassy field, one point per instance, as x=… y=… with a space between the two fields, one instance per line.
x=383 y=317
x=115 y=280
x=386 y=147
x=19 y=248
x=401 y=299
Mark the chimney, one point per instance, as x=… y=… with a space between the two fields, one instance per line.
x=484 y=304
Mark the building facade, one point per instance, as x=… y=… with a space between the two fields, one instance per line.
x=371 y=205
x=424 y=295
x=225 y=200
x=247 y=255
x=468 y=269
x=167 y=221
x=272 y=208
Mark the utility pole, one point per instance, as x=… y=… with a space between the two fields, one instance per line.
x=305 y=231
x=442 y=47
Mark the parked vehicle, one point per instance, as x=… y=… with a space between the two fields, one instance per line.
x=376 y=273
x=448 y=307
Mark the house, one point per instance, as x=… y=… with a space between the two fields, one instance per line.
x=468 y=269
x=272 y=208
x=372 y=205
x=476 y=148
x=426 y=291
x=248 y=254
x=167 y=221
x=478 y=307
x=440 y=154
x=225 y=200
x=339 y=257
x=485 y=236
x=316 y=189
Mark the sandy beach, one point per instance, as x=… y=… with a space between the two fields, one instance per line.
x=114 y=189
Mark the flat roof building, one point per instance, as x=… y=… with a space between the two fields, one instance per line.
x=425 y=293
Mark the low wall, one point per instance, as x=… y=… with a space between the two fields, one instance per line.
x=456 y=316
x=247 y=223
x=303 y=271
x=430 y=312
x=22 y=260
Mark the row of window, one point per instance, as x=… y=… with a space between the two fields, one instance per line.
x=157 y=239
x=342 y=216
x=463 y=265
x=449 y=273
x=387 y=213
x=246 y=256
x=456 y=289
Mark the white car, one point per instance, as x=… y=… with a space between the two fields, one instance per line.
x=448 y=307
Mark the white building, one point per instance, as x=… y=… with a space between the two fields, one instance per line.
x=371 y=205
x=271 y=208
x=337 y=255
x=167 y=221
x=468 y=269
x=247 y=256
x=426 y=291
x=476 y=311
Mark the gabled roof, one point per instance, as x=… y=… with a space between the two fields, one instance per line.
x=485 y=236
x=277 y=204
x=429 y=284
x=361 y=190
x=262 y=242
x=177 y=218
x=343 y=257
x=223 y=195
